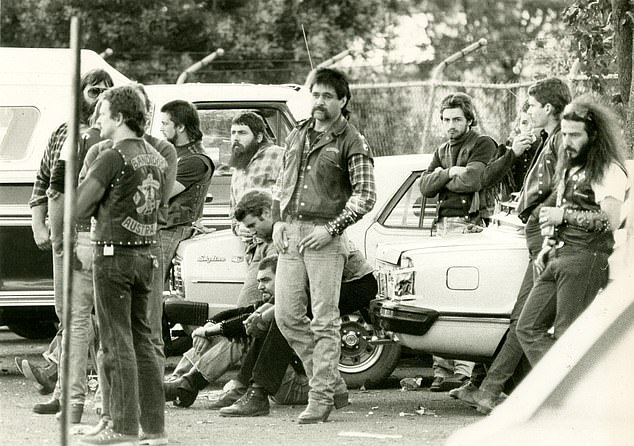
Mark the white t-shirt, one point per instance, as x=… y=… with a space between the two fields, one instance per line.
x=613 y=184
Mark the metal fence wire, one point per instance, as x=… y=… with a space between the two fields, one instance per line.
x=393 y=116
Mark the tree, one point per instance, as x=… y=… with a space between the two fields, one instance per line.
x=155 y=41
x=602 y=40
x=509 y=26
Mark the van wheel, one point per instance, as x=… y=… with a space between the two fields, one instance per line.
x=362 y=363
x=34 y=329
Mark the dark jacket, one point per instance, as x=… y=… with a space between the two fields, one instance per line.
x=326 y=187
x=456 y=195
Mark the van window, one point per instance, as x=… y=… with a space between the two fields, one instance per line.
x=215 y=124
x=16 y=129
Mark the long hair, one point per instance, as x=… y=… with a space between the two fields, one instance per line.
x=185 y=113
x=334 y=79
x=605 y=138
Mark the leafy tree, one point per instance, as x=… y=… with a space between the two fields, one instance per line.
x=602 y=33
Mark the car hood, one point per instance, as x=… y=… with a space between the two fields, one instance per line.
x=489 y=239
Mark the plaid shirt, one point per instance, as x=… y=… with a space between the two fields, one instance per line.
x=50 y=157
x=260 y=173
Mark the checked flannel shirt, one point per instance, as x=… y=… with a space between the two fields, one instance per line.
x=50 y=157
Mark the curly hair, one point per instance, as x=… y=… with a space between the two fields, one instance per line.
x=604 y=136
x=253 y=202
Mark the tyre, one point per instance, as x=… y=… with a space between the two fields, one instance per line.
x=362 y=363
x=34 y=329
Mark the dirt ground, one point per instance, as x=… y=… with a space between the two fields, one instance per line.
x=375 y=416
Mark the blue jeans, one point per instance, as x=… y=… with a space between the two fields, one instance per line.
x=123 y=286
x=316 y=341
x=81 y=330
x=566 y=287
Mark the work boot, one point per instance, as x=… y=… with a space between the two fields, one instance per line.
x=465 y=394
x=228 y=398
x=184 y=391
x=50 y=407
x=485 y=401
x=44 y=378
x=314 y=413
x=76 y=411
x=254 y=403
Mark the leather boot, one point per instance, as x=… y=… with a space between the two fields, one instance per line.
x=50 y=407
x=314 y=413
x=254 y=403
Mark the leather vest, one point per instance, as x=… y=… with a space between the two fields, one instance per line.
x=576 y=193
x=128 y=211
x=187 y=207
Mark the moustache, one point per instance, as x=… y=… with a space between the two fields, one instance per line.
x=319 y=108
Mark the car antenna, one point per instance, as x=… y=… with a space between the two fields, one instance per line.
x=310 y=59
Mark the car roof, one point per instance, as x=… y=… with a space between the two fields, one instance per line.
x=296 y=98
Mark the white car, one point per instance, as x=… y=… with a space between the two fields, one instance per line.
x=581 y=392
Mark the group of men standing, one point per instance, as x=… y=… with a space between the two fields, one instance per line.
x=570 y=200
x=143 y=195
x=142 y=203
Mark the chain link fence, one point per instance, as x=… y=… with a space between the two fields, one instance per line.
x=393 y=116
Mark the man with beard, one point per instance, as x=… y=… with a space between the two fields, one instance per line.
x=326 y=185
x=180 y=125
x=44 y=201
x=591 y=185
x=546 y=101
x=256 y=163
x=455 y=175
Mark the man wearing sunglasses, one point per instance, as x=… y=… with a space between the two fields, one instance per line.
x=45 y=202
x=591 y=184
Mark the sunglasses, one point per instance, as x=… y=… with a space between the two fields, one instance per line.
x=94 y=92
x=576 y=112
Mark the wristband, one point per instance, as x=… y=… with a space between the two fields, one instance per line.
x=589 y=221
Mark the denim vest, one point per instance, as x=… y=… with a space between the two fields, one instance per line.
x=326 y=186
x=129 y=209
x=187 y=207
x=576 y=193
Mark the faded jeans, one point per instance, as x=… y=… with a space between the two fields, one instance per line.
x=123 y=285
x=82 y=333
x=317 y=342
x=220 y=355
x=570 y=282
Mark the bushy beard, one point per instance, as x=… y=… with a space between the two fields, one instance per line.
x=581 y=159
x=241 y=155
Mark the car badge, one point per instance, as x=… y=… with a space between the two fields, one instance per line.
x=210 y=259
x=237 y=259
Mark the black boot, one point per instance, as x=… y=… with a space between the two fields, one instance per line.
x=254 y=403
x=184 y=391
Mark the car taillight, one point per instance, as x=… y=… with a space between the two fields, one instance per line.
x=176 y=279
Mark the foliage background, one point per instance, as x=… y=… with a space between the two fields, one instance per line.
x=154 y=41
